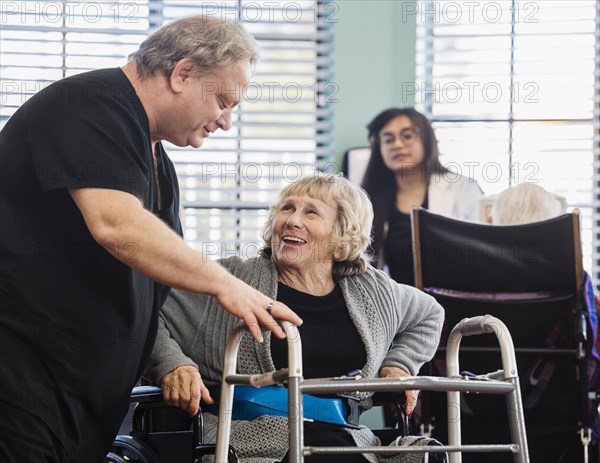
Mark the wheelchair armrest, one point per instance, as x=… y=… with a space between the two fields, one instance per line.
x=146 y=394
x=397 y=400
x=389 y=398
x=149 y=397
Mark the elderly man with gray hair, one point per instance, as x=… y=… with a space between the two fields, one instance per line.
x=91 y=237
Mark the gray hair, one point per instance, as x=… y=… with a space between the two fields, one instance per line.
x=210 y=43
x=525 y=203
x=352 y=232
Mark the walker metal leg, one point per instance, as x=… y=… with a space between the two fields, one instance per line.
x=586 y=438
x=295 y=421
x=516 y=420
x=454 y=428
x=226 y=404
x=295 y=396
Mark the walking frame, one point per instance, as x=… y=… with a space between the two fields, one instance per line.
x=504 y=382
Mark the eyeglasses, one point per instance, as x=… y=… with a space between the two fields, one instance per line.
x=408 y=136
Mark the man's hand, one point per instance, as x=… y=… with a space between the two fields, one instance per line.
x=252 y=306
x=411 y=396
x=184 y=388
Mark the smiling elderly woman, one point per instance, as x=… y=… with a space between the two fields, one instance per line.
x=355 y=317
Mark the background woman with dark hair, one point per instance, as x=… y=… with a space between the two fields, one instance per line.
x=404 y=171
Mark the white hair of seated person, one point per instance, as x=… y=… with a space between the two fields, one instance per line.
x=525 y=203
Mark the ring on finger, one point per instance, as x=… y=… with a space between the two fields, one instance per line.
x=269 y=307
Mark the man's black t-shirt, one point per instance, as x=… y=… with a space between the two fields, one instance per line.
x=76 y=324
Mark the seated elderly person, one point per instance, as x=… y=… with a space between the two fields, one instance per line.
x=355 y=317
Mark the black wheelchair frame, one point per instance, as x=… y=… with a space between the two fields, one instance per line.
x=146 y=444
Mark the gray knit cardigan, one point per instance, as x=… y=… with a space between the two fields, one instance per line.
x=399 y=326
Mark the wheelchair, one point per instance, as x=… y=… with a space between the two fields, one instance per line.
x=531 y=276
x=144 y=445
x=149 y=441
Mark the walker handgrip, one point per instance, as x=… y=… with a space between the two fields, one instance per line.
x=476 y=325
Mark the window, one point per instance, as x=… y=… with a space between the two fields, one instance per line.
x=512 y=90
x=281 y=130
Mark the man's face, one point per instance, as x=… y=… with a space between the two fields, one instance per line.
x=204 y=105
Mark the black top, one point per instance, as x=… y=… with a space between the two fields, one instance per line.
x=76 y=324
x=397 y=249
x=331 y=345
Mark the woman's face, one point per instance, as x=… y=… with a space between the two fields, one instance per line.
x=303 y=233
x=401 y=145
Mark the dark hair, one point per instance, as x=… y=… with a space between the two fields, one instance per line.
x=380 y=182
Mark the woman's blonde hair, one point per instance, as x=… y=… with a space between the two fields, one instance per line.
x=352 y=231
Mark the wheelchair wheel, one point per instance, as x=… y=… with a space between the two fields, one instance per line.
x=126 y=449
x=233 y=456
x=112 y=458
x=209 y=449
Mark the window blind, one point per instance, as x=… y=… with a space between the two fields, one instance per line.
x=282 y=129
x=512 y=90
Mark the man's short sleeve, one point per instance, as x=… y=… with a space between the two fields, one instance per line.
x=89 y=131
